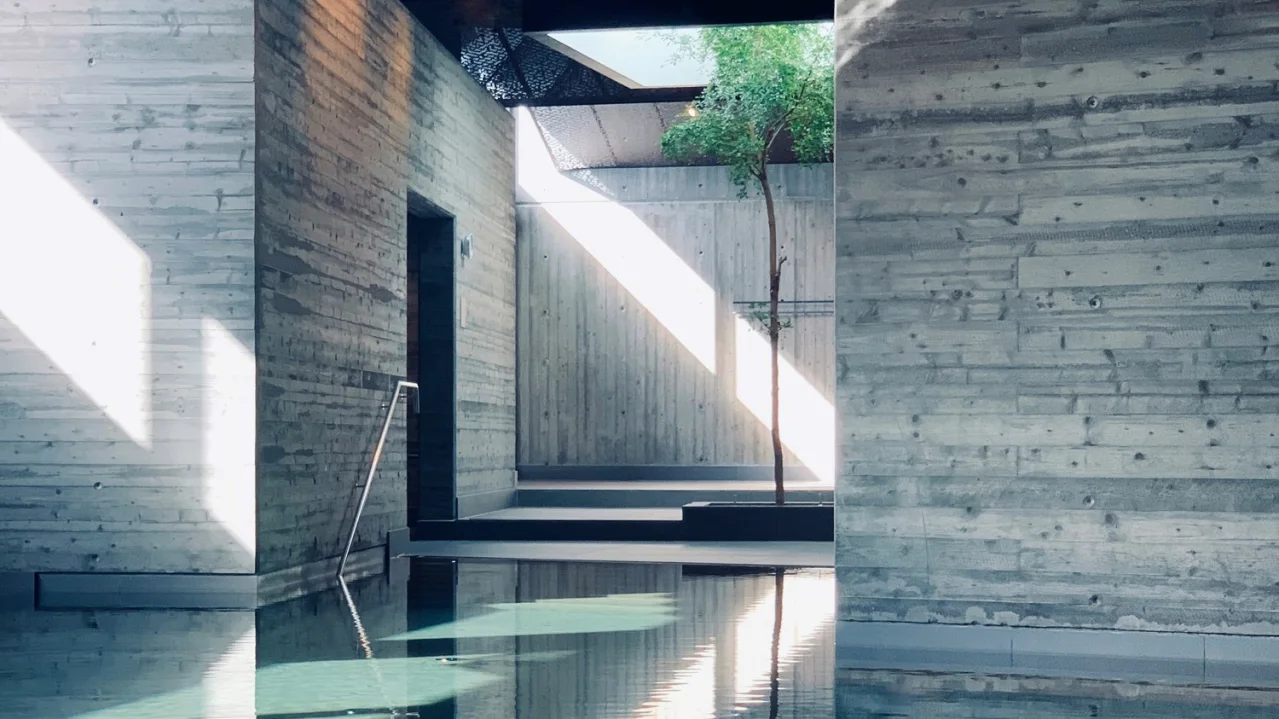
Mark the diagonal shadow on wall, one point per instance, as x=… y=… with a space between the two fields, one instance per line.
x=632 y=354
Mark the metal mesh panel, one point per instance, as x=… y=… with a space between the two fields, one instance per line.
x=517 y=69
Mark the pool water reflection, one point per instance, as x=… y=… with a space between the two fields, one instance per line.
x=458 y=639
x=535 y=640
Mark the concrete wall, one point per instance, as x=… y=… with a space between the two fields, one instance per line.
x=611 y=326
x=1057 y=288
x=126 y=287
x=358 y=107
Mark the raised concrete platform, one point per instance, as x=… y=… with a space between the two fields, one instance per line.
x=1200 y=659
x=607 y=511
x=761 y=554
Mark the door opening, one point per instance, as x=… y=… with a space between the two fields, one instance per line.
x=432 y=364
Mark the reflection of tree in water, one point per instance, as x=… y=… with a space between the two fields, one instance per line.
x=779 y=577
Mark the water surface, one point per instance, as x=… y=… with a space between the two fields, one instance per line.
x=486 y=639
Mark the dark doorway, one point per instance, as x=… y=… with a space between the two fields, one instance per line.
x=431 y=363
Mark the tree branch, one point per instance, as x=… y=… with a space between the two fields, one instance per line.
x=776 y=130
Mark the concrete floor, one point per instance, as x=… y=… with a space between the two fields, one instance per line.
x=769 y=554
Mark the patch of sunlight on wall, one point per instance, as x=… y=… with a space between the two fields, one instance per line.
x=229 y=684
x=230 y=433
x=690 y=695
x=76 y=286
x=626 y=247
x=807 y=417
x=808 y=603
x=851 y=19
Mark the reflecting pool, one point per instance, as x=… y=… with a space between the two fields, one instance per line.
x=479 y=639
x=459 y=639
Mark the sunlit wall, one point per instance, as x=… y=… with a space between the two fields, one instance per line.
x=638 y=287
x=126 y=289
x=1057 y=280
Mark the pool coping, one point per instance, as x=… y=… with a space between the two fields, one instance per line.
x=1224 y=660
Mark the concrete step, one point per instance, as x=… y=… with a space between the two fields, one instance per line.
x=578 y=514
x=658 y=494
x=561 y=524
x=626 y=524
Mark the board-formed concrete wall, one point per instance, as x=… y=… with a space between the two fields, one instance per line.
x=358 y=107
x=1057 y=280
x=126 y=287
x=606 y=375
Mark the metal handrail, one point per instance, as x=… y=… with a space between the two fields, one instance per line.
x=377 y=457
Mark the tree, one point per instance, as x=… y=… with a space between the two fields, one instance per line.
x=767 y=82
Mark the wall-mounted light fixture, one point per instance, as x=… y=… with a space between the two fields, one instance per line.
x=466 y=246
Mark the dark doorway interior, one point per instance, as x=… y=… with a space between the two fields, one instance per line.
x=431 y=363
x=432 y=589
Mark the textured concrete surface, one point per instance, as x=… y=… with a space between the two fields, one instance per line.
x=606 y=376
x=1058 y=280
x=362 y=116
x=127 y=161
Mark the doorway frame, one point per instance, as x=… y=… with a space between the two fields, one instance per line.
x=422 y=210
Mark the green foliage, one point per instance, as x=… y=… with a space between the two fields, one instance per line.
x=758 y=312
x=767 y=80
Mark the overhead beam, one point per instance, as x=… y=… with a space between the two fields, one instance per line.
x=561 y=15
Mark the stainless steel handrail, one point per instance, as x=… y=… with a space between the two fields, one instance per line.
x=377 y=457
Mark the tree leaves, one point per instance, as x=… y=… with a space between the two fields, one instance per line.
x=768 y=80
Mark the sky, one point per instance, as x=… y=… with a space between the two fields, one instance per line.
x=644 y=57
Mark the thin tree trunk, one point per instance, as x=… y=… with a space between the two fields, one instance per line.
x=774 y=331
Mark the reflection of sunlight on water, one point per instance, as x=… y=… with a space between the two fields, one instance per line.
x=808 y=604
x=229 y=688
x=320 y=687
x=589 y=615
x=76 y=286
x=626 y=247
x=690 y=695
x=807 y=417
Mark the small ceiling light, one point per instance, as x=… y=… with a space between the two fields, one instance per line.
x=692 y=111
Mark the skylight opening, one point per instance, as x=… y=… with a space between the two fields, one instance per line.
x=645 y=58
